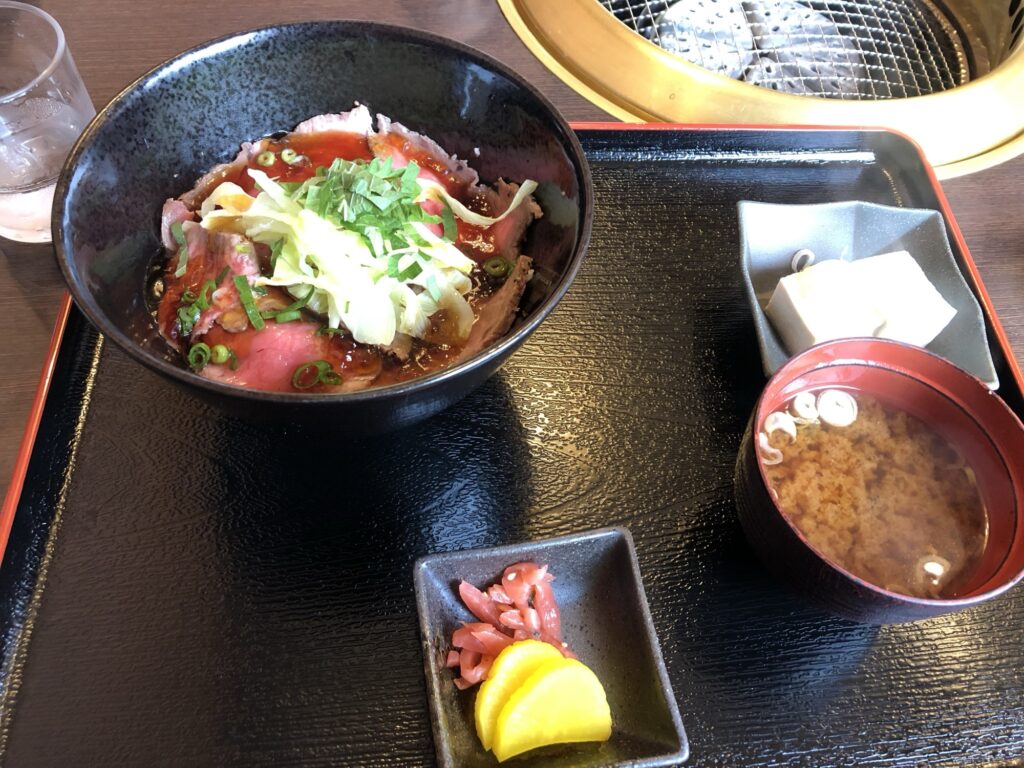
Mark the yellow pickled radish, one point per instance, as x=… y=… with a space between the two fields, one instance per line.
x=510 y=670
x=561 y=702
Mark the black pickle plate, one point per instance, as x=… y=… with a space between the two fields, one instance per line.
x=605 y=620
x=182 y=588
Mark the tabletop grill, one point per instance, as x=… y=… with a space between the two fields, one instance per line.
x=949 y=73
x=846 y=49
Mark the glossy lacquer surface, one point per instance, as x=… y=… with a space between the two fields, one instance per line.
x=215 y=593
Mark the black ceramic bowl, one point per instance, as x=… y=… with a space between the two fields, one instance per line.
x=170 y=126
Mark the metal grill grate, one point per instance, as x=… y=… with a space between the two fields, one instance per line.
x=846 y=49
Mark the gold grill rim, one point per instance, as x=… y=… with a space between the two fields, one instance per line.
x=961 y=130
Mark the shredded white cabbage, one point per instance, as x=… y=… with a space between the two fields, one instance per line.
x=431 y=189
x=350 y=284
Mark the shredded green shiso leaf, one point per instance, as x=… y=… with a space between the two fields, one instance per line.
x=355 y=245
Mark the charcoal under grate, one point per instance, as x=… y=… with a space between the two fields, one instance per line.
x=844 y=49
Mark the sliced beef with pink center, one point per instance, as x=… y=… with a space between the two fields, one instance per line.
x=210 y=254
x=174 y=212
x=267 y=359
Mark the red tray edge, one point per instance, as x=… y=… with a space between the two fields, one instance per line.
x=35 y=414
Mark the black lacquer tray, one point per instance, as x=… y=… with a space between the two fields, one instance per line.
x=180 y=588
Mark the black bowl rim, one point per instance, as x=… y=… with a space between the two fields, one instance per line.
x=218 y=45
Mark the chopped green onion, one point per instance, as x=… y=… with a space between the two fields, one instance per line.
x=198 y=356
x=203 y=299
x=413 y=270
x=316 y=372
x=188 y=297
x=266 y=159
x=179 y=237
x=245 y=294
x=300 y=303
x=243 y=248
x=432 y=288
x=497 y=267
x=328 y=331
x=275 y=251
x=289 y=155
x=451 y=229
x=306 y=376
x=222 y=275
x=409 y=184
x=234 y=360
x=219 y=354
x=289 y=313
x=188 y=316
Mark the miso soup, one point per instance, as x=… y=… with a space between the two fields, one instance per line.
x=876 y=491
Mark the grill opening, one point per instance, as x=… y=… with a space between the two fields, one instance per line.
x=1016 y=13
x=841 y=49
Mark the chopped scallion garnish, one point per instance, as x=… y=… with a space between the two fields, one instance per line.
x=245 y=294
x=188 y=316
x=289 y=313
x=198 y=356
x=179 y=237
x=316 y=372
x=289 y=155
x=451 y=229
x=219 y=354
x=203 y=299
x=266 y=159
x=497 y=267
x=275 y=251
x=432 y=288
x=413 y=270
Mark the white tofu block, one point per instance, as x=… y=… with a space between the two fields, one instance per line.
x=825 y=301
x=915 y=312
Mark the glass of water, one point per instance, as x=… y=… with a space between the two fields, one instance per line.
x=43 y=108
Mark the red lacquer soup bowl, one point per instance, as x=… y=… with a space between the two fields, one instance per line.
x=958 y=406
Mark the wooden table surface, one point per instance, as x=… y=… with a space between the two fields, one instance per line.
x=115 y=41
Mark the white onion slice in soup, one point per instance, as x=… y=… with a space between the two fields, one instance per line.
x=770 y=455
x=780 y=421
x=804 y=408
x=837 y=408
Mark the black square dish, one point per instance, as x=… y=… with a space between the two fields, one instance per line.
x=605 y=620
